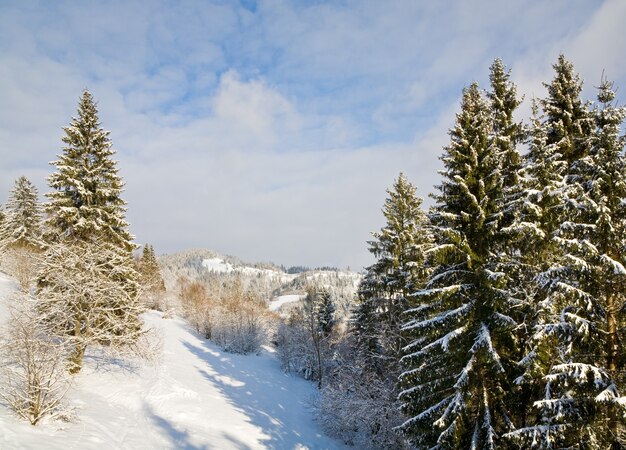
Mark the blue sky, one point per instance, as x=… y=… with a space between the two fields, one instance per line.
x=270 y=130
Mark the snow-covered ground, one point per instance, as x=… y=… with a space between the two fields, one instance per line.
x=277 y=302
x=218 y=265
x=196 y=397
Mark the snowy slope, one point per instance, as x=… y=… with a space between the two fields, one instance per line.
x=197 y=397
x=219 y=265
x=277 y=302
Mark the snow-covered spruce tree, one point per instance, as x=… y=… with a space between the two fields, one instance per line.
x=325 y=312
x=150 y=270
x=21 y=237
x=560 y=131
x=86 y=224
x=559 y=123
x=366 y=380
x=607 y=191
x=516 y=236
x=559 y=138
x=581 y=324
x=458 y=365
x=150 y=278
x=399 y=270
x=22 y=226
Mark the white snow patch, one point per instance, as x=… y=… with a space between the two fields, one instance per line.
x=277 y=302
x=217 y=265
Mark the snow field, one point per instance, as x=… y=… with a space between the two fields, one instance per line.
x=281 y=300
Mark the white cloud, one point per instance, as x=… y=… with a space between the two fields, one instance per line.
x=252 y=109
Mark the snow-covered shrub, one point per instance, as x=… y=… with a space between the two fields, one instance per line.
x=33 y=370
x=295 y=347
x=234 y=317
x=304 y=338
x=358 y=405
x=21 y=262
x=240 y=326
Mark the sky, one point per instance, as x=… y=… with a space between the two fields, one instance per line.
x=271 y=130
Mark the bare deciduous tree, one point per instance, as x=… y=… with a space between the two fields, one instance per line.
x=33 y=372
x=235 y=317
x=21 y=262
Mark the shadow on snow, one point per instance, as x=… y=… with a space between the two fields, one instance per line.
x=261 y=394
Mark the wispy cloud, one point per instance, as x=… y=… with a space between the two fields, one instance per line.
x=271 y=129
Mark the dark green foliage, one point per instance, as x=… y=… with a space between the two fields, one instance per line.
x=325 y=312
x=574 y=365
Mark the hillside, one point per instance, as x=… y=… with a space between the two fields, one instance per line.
x=275 y=285
x=194 y=397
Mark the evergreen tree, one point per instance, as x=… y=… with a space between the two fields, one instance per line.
x=567 y=119
x=606 y=192
x=458 y=365
x=22 y=227
x=87 y=227
x=365 y=382
x=559 y=133
x=506 y=132
x=325 y=312
x=399 y=269
x=317 y=319
x=559 y=138
x=3 y=218
x=515 y=238
x=150 y=272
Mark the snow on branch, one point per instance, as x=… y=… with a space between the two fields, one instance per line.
x=440 y=319
x=580 y=373
x=618 y=268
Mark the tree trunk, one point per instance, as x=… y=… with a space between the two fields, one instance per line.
x=612 y=355
x=75 y=358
